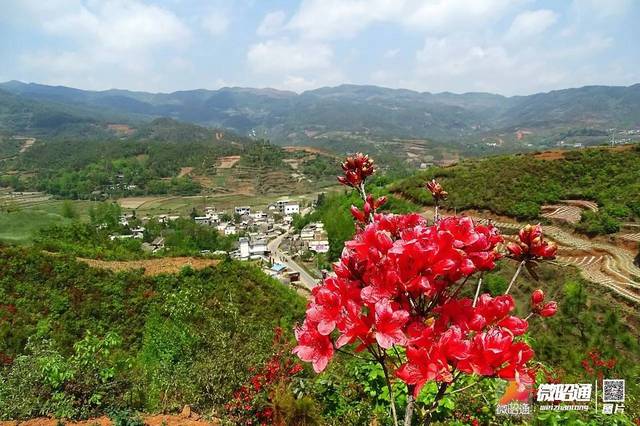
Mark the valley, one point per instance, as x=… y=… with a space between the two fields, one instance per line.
x=155 y=261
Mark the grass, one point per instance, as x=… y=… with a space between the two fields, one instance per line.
x=21 y=225
x=184 y=205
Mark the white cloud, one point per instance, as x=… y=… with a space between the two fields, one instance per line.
x=271 y=23
x=602 y=9
x=215 y=23
x=119 y=25
x=334 y=19
x=391 y=53
x=274 y=56
x=530 y=23
x=107 y=43
x=293 y=65
x=446 y=16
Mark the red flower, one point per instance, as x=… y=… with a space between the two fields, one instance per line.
x=388 y=324
x=531 y=245
x=436 y=190
x=325 y=310
x=356 y=169
x=537 y=297
x=352 y=325
x=420 y=368
x=549 y=309
x=312 y=346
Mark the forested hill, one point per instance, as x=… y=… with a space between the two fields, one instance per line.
x=77 y=342
x=519 y=185
x=99 y=160
x=287 y=117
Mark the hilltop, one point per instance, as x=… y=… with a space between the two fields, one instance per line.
x=597 y=190
x=96 y=160
x=362 y=115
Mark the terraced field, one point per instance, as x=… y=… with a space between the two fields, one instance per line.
x=606 y=264
x=569 y=211
x=10 y=199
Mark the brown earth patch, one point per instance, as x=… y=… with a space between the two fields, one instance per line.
x=121 y=129
x=165 y=265
x=136 y=202
x=310 y=150
x=157 y=420
x=185 y=171
x=228 y=162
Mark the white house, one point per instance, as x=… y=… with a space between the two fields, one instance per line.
x=291 y=208
x=245 y=248
x=202 y=220
x=138 y=232
x=242 y=210
x=230 y=230
x=319 y=246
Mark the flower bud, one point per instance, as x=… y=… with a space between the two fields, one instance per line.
x=549 y=309
x=537 y=297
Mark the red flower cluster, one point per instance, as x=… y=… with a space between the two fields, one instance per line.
x=595 y=365
x=251 y=402
x=531 y=245
x=397 y=283
x=480 y=340
x=370 y=206
x=391 y=268
x=356 y=169
x=438 y=193
x=538 y=306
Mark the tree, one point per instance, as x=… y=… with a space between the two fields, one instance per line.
x=69 y=210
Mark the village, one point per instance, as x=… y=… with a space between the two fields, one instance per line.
x=266 y=237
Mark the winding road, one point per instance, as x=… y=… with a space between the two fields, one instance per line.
x=274 y=246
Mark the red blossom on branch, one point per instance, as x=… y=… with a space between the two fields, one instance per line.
x=397 y=284
x=538 y=306
x=531 y=245
x=356 y=169
x=438 y=193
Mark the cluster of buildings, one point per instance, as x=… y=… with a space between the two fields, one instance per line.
x=312 y=237
x=255 y=228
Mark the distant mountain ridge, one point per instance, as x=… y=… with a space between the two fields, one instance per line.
x=287 y=117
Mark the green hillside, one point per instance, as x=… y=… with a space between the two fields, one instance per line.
x=161 y=157
x=518 y=185
x=76 y=341
x=352 y=112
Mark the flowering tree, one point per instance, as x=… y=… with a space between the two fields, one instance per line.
x=396 y=295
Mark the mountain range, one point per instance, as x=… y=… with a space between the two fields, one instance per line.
x=289 y=118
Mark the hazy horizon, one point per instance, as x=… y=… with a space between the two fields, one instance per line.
x=310 y=89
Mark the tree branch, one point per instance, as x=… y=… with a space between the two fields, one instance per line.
x=513 y=280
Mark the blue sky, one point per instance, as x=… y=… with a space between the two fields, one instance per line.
x=500 y=46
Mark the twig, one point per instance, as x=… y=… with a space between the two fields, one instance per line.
x=464 y=388
x=391 y=398
x=475 y=298
x=354 y=355
x=513 y=280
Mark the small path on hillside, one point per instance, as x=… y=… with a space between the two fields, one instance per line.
x=164 y=265
x=28 y=143
x=149 y=420
x=609 y=265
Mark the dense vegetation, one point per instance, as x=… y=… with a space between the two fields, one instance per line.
x=519 y=185
x=77 y=341
x=93 y=239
